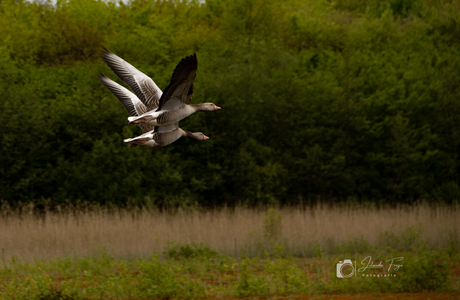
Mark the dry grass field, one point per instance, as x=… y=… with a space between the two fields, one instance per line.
x=303 y=231
x=261 y=253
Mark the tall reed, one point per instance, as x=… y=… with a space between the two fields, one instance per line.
x=138 y=232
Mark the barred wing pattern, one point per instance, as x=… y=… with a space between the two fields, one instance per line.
x=142 y=85
x=133 y=105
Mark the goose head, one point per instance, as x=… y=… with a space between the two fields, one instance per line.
x=208 y=106
x=199 y=136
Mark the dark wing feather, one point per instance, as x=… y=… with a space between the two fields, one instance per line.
x=177 y=93
x=186 y=65
x=189 y=95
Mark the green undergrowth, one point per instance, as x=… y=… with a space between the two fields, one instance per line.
x=187 y=271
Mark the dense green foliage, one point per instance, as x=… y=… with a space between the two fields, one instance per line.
x=322 y=99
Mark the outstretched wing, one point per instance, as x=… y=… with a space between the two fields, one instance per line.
x=177 y=93
x=142 y=85
x=131 y=102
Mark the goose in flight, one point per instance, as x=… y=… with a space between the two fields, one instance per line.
x=174 y=104
x=151 y=136
x=164 y=135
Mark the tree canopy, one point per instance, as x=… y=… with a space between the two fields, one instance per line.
x=353 y=99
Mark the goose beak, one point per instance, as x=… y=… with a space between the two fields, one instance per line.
x=206 y=137
x=216 y=107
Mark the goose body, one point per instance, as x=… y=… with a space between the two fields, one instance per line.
x=164 y=135
x=166 y=108
x=158 y=114
x=152 y=136
x=167 y=117
x=174 y=104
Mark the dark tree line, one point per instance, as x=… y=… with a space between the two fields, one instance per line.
x=358 y=100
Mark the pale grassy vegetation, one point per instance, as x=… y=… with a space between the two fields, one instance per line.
x=305 y=232
x=190 y=253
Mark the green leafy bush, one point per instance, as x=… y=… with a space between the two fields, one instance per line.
x=188 y=251
x=158 y=279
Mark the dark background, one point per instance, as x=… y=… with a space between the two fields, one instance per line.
x=350 y=100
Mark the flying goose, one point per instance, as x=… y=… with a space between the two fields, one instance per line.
x=152 y=136
x=174 y=104
x=164 y=135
